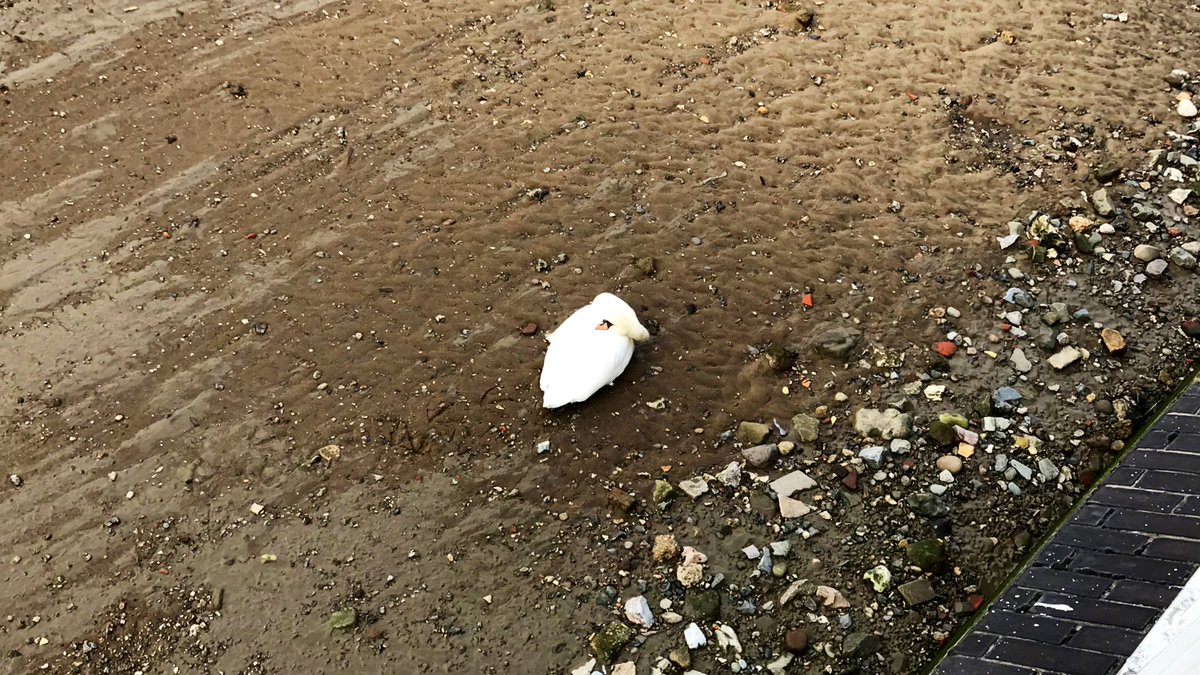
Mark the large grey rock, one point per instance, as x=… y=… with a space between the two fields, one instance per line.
x=885 y=424
x=1182 y=258
x=836 y=341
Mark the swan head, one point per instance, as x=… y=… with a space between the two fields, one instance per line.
x=620 y=317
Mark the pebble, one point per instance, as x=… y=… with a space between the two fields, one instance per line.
x=1024 y=471
x=796 y=640
x=15 y=480
x=761 y=456
x=937 y=489
x=1047 y=469
x=1180 y=256
x=1146 y=252
x=1186 y=108
x=886 y=424
x=1155 y=268
x=1020 y=362
x=1014 y=488
x=951 y=463
x=731 y=475
x=872 y=456
x=945 y=476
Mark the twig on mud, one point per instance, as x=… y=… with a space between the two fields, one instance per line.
x=713 y=179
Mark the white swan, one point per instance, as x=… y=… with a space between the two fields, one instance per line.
x=589 y=350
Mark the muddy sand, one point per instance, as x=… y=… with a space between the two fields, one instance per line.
x=236 y=233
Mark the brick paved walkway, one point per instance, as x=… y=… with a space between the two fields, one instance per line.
x=1096 y=588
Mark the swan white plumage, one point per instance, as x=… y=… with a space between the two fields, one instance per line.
x=589 y=350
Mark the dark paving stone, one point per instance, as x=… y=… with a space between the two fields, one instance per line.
x=1140 y=567
x=1100 y=539
x=1031 y=627
x=1090 y=514
x=1174 y=549
x=1164 y=459
x=1190 y=507
x=1169 y=481
x=1096 y=611
x=1142 y=593
x=958 y=665
x=1133 y=498
x=1115 y=641
x=1055 y=658
x=1154 y=523
x=1017 y=599
x=1189 y=424
x=1055 y=555
x=1185 y=443
x=1156 y=439
x=1062 y=581
x=1124 y=475
x=975 y=644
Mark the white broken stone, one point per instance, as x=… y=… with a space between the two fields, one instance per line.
x=637 y=610
x=694 y=487
x=796 y=481
x=1064 y=358
x=694 y=636
x=256 y=508
x=793 y=508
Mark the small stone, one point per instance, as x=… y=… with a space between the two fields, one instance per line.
x=761 y=456
x=1004 y=399
x=665 y=548
x=872 y=456
x=928 y=505
x=1191 y=328
x=1047 y=469
x=861 y=645
x=731 y=475
x=1021 y=469
x=694 y=487
x=781 y=548
x=929 y=555
x=917 y=592
x=256 y=508
x=1186 y=108
x=880 y=578
x=831 y=597
x=662 y=491
x=796 y=640
x=637 y=611
x=1146 y=252
x=1113 y=342
x=609 y=641
x=621 y=500
x=1064 y=358
x=1020 y=362
x=1102 y=203
x=694 y=636
x=1156 y=268
x=1179 y=196
x=885 y=424
x=1180 y=257
x=786 y=448
x=945 y=348
x=789 y=484
x=752 y=432
x=806 y=428
x=17 y=482
x=951 y=463
x=689 y=573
